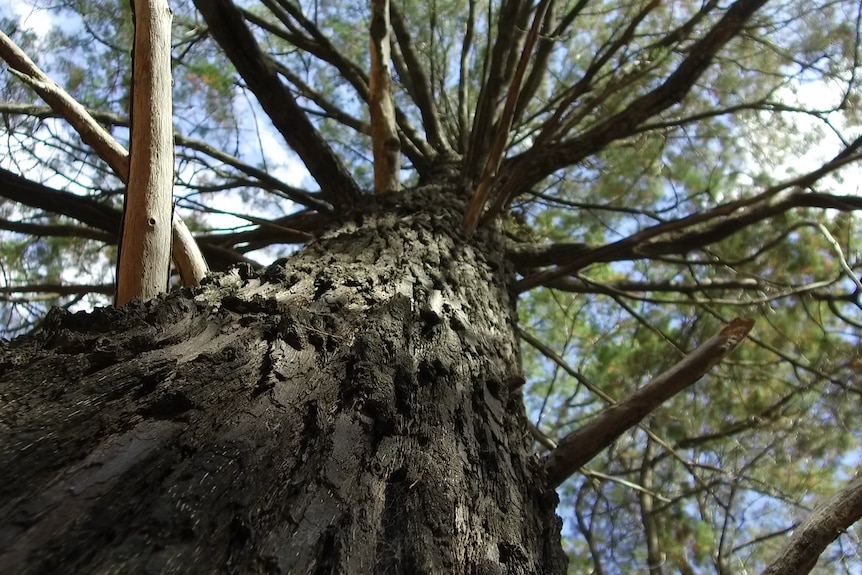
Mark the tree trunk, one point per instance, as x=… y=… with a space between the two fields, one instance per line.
x=346 y=411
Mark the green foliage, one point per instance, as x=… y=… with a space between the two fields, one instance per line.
x=739 y=457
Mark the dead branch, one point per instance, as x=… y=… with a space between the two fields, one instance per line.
x=384 y=135
x=145 y=254
x=91 y=132
x=464 y=78
x=192 y=270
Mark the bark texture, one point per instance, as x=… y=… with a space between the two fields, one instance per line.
x=346 y=411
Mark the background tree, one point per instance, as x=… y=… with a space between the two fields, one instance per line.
x=656 y=167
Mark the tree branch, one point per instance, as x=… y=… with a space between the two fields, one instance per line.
x=317 y=44
x=228 y=28
x=823 y=526
x=94 y=214
x=464 y=79
x=266 y=181
x=60 y=289
x=498 y=146
x=143 y=270
x=385 y=144
x=90 y=131
x=422 y=93
x=61 y=230
x=527 y=169
x=579 y=447
x=86 y=210
x=747 y=211
x=191 y=269
x=93 y=134
x=506 y=46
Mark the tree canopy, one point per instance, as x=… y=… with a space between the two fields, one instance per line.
x=659 y=167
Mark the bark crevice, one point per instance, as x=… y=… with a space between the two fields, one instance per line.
x=342 y=411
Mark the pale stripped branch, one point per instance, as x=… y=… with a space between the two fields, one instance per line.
x=145 y=253
x=91 y=132
x=384 y=132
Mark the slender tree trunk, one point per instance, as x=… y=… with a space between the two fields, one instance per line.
x=346 y=411
x=145 y=246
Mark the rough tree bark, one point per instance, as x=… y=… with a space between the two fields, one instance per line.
x=345 y=411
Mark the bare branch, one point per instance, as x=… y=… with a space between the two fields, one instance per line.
x=90 y=131
x=540 y=61
x=839 y=253
x=384 y=135
x=190 y=263
x=562 y=120
x=823 y=526
x=329 y=109
x=498 y=147
x=228 y=28
x=266 y=181
x=464 y=79
x=45 y=230
x=60 y=289
x=316 y=43
x=292 y=193
x=145 y=254
x=294 y=228
x=531 y=167
x=100 y=216
x=506 y=46
x=579 y=447
x=724 y=221
x=86 y=210
x=422 y=93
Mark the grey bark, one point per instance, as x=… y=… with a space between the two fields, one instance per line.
x=825 y=524
x=345 y=411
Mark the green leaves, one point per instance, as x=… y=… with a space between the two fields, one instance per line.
x=739 y=457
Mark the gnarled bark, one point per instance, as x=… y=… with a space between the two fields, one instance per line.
x=345 y=411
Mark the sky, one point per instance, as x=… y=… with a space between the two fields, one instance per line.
x=287 y=168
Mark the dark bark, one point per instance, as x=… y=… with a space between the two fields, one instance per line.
x=346 y=411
